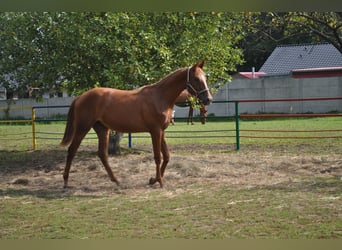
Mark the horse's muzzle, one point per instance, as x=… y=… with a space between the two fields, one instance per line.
x=207 y=100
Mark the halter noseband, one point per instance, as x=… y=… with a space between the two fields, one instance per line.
x=188 y=84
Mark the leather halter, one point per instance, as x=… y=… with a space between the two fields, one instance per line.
x=188 y=84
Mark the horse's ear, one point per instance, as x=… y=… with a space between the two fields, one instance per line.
x=200 y=64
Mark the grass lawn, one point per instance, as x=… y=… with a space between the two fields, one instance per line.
x=303 y=211
x=19 y=137
x=263 y=191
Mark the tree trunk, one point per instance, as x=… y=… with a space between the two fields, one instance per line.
x=114 y=143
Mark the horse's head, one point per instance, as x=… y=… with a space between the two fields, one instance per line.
x=197 y=83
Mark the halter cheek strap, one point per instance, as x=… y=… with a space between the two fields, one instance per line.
x=188 y=84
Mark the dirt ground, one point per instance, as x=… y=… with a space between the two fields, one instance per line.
x=40 y=172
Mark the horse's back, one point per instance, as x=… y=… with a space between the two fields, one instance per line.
x=119 y=110
x=102 y=97
x=88 y=105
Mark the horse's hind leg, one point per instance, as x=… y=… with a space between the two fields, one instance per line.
x=103 y=135
x=71 y=154
x=166 y=155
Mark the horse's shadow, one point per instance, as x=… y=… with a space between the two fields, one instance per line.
x=51 y=193
x=39 y=193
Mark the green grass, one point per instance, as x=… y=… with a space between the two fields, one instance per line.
x=294 y=124
x=307 y=210
x=19 y=137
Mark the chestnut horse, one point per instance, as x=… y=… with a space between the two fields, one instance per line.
x=183 y=100
x=147 y=109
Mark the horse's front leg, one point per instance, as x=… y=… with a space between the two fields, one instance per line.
x=156 y=141
x=191 y=115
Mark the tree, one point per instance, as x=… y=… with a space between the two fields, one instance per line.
x=78 y=51
x=265 y=30
x=327 y=26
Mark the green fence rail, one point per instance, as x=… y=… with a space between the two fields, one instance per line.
x=237 y=116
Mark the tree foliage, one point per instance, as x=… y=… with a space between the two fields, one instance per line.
x=265 y=30
x=77 y=51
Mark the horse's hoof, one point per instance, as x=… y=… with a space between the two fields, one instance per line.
x=152 y=181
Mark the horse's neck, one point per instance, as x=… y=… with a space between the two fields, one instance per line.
x=172 y=86
x=183 y=96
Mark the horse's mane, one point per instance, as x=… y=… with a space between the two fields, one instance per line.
x=161 y=81
x=167 y=77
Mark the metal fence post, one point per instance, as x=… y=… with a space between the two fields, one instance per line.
x=237 y=125
x=34 y=139
x=130 y=144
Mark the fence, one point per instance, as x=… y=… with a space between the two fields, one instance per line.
x=236 y=118
x=16 y=136
x=51 y=135
x=45 y=135
x=16 y=139
x=263 y=116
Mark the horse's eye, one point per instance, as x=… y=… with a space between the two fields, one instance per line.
x=197 y=79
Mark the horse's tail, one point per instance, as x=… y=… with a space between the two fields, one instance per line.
x=69 y=129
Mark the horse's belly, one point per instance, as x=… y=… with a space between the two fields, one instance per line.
x=131 y=121
x=125 y=123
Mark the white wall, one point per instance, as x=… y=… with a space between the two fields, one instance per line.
x=23 y=107
x=239 y=89
x=279 y=88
